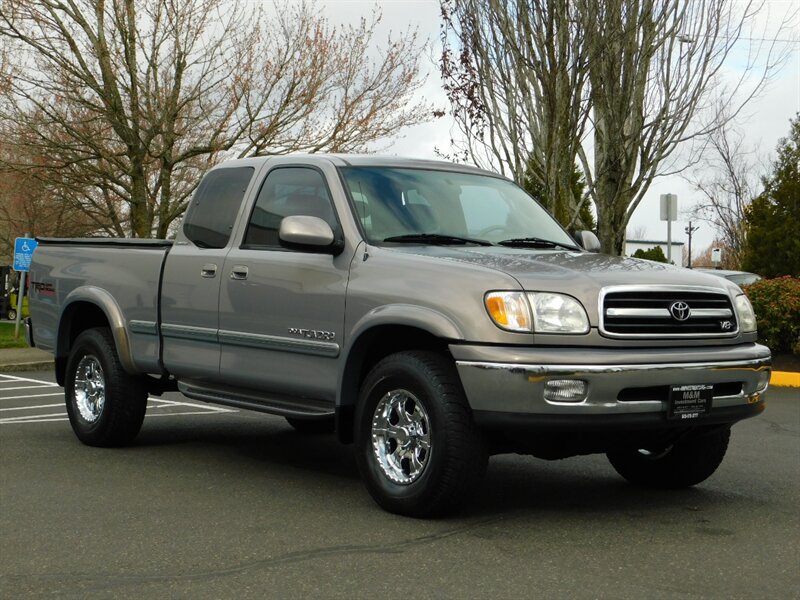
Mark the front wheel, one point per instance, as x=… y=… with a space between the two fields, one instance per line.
x=417 y=447
x=12 y=314
x=106 y=405
x=685 y=463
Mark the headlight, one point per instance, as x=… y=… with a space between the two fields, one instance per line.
x=557 y=313
x=747 y=318
x=542 y=312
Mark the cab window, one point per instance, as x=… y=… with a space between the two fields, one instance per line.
x=215 y=205
x=287 y=191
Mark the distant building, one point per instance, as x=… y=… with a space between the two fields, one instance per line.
x=632 y=246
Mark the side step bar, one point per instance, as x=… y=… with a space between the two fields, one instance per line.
x=285 y=406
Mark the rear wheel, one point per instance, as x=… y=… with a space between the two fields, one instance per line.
x=417 y=447
x=12 y=314
x=106 y=405
x=685 y=463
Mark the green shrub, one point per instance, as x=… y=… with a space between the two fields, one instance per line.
x=777 y=306
x=655 y=253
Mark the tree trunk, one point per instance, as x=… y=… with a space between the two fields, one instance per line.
x=141 y=220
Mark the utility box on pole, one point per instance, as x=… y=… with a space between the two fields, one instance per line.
x=716 y=257
x=669 y=213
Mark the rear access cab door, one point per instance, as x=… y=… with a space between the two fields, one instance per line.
x=193 y=271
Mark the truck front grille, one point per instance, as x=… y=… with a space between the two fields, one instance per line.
x=666 y=311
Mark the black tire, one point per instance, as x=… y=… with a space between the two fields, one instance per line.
x=94 y=365
x=686 y=463
x=312 y=426
x=12 y=314
x=454 y=462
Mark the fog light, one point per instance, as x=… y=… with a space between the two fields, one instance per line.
x=565 y=390
x=763 y=380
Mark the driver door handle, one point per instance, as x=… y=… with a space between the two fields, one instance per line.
x=209 y=270
x=239 y=272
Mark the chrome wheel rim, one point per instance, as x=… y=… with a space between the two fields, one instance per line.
x=401 y=436
x=90 y=388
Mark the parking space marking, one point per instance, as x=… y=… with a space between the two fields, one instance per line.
x=170 y=408
x=12 y=378
x=204 y=407
x=25 y=387
x=32 y=407
x=35 y=418
x=32 y=396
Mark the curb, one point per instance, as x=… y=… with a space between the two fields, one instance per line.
x=784 y=379
x=27 y=366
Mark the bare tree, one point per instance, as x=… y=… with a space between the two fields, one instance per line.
x=728 y=178
x=129 y=100
x=703 y=258
x=515 y=74
x=32 y=205
x=637 y=233
x=648 y=74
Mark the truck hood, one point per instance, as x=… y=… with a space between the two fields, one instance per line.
x=541 y=269
x=578 y=274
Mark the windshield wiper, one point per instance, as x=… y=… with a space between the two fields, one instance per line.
x=437 y=239
x=535 y=242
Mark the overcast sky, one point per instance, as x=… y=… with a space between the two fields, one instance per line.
x=764 y=121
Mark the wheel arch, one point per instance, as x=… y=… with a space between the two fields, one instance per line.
x=86 y=308
x=381 y=333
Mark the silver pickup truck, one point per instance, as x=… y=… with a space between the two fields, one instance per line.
x=431 y=313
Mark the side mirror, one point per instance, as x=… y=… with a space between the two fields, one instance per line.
x=309 y=233
x=588 y=240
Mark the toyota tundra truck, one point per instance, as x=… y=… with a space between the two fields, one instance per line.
x=430 y=314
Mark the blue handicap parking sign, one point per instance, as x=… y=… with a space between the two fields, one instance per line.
x=23 y=253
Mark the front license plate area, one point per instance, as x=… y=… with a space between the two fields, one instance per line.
x=688 y=402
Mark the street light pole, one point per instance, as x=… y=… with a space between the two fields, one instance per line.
x=689 y=231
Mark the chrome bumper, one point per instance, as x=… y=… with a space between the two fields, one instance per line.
x=518 y=387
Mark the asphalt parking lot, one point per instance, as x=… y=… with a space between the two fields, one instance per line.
x=215 y=503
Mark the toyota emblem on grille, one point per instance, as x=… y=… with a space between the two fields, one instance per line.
x=680 y=311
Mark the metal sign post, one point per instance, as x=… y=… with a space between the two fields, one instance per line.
x=23 y=254
x=669 y=213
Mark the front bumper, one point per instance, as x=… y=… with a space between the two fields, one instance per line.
x=623 y=385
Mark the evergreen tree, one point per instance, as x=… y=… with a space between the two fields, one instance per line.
x=533 y=183
x=655 y=253
x=772 y=248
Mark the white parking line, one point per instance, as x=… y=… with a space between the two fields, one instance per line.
x=153 y=403
x=32 y=396
x=34 y=418
x=207 y=407
x=25 y=387
x=180 y=414
x=32 y=407
x=15 y=378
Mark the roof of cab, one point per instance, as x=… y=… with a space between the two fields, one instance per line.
x=359 y=160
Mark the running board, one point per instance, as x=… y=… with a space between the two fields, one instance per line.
x=285 y=406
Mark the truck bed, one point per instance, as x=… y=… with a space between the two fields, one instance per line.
x=123 y=276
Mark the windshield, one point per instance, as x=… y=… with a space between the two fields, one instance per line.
x=392 y=202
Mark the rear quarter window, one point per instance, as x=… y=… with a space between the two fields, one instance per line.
x=215 y=205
